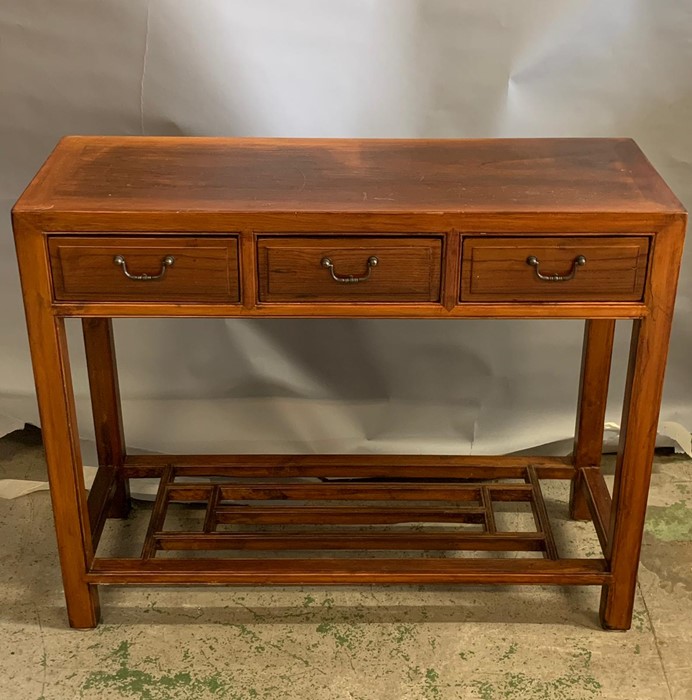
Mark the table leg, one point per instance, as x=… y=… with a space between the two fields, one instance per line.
x=48 y=344
x=648 y=352
x=593 y=395
x=105 y=406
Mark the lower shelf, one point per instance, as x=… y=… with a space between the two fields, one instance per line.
x=295 y=515
x=208 y=525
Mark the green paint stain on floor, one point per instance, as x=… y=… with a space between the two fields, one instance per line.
x=568 y=687
x=670 y=523
x=431 y=689
x=404 y=633
x=128 y=682
x=576 y=683
x=346 y=636
x=520 y=685
x=252 y=638
x=399 y=641
x=640 y=621
x=510 y=652
x=485 y=690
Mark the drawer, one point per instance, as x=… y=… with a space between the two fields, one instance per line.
x=369 y=269
x=559 y=268
x=136 y=268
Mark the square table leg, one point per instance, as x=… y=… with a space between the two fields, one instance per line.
x=591 y=409
x=105 y=406
x=648 y=353
x=48 y=344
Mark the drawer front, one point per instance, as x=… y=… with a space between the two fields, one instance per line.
x=397 y=269
x=148 y=269
x=588 y=268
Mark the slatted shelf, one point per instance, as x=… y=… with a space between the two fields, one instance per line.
x=366 y=515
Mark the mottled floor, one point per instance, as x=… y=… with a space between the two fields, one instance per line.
x=368 y=643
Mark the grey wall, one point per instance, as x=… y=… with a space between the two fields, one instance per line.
x=342 y=68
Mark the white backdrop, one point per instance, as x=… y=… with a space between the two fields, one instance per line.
x=399 y=68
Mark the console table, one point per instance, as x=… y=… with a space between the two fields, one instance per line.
x=265 y=228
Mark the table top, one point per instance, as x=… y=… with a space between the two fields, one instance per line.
x=379 y=176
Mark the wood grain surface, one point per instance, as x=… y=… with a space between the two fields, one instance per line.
x=497 y=268
x=407 y=270
x=203 y=269
x=221 y=175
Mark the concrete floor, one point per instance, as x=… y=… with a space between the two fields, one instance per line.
x=367 y=643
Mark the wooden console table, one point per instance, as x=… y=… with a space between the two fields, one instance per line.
x=447 y=229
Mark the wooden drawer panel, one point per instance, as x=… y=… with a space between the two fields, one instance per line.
x=397 y=269
x=588 y=268
x=96 y=268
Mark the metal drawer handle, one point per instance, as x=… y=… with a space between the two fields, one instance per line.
x=532 y=260
x=165 y=264
x=349 y=279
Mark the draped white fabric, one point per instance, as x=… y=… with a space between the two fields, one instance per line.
x=400 y=68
